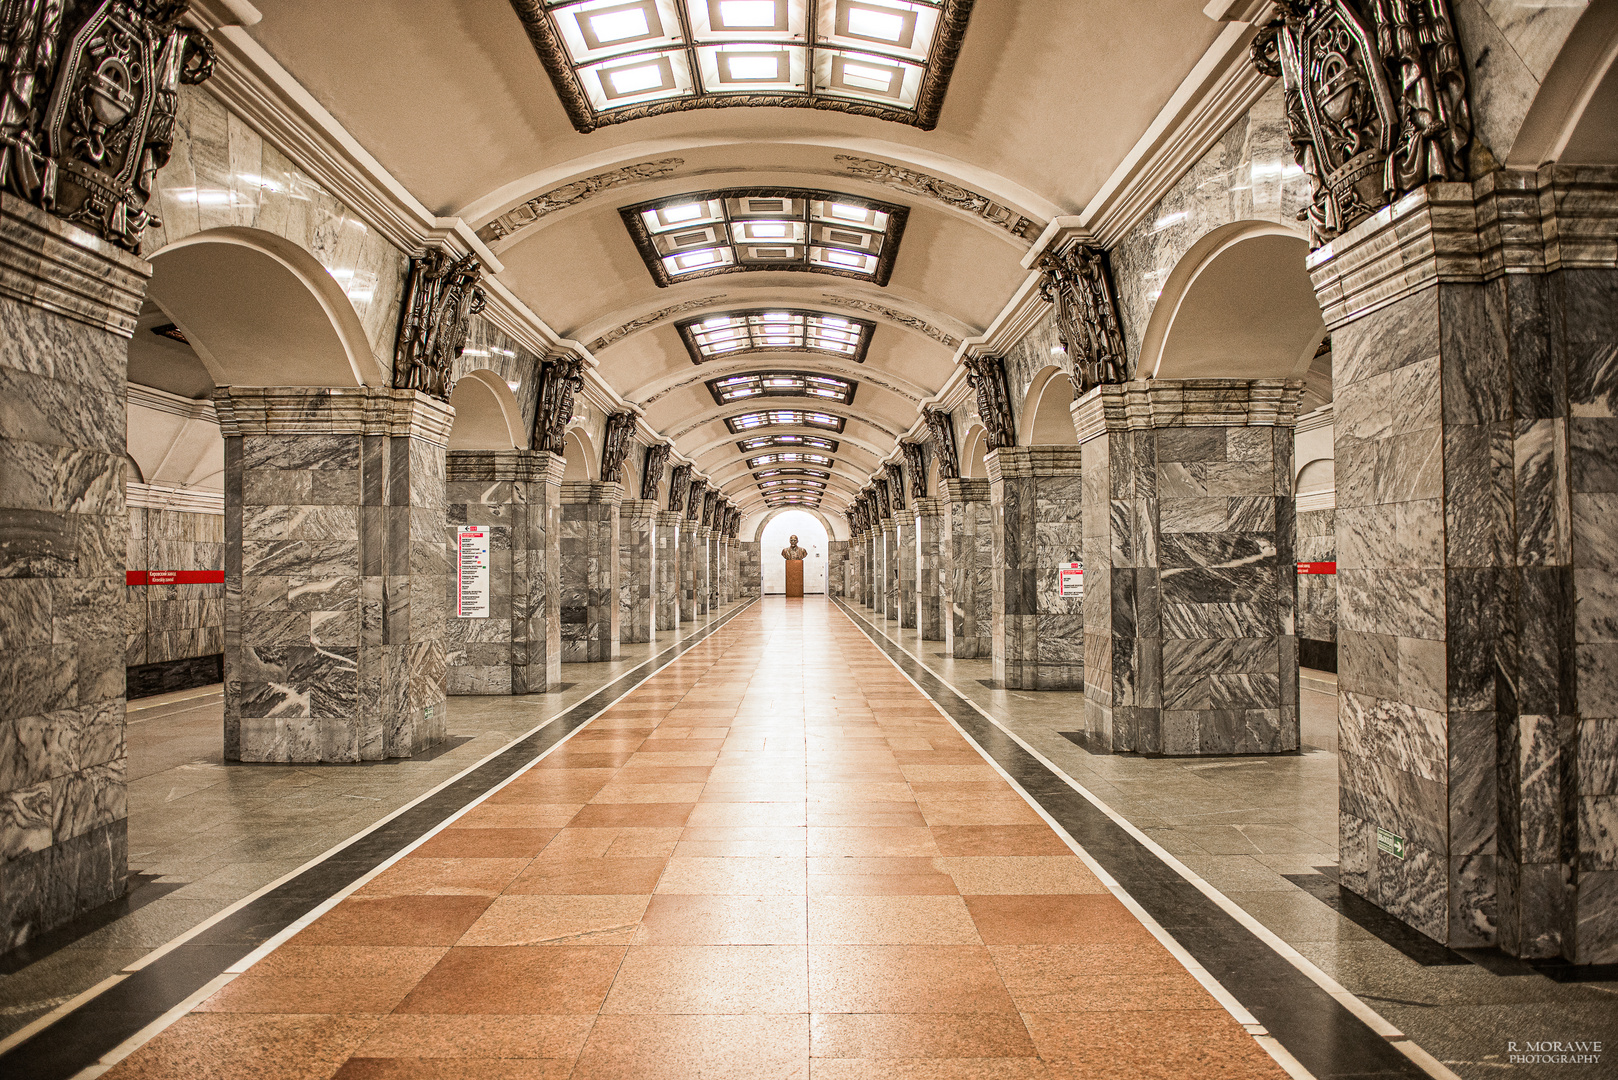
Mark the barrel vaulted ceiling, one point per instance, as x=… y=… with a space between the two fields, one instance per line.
x=1045 y=99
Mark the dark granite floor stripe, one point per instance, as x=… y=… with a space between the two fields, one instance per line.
x=80 y=1038
x=1317 y=1029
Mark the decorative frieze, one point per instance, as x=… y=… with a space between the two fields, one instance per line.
x=1376 y=101
x=927 y=186
x=532 y=211
x=441 y=296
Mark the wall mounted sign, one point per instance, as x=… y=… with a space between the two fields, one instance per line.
x=472 y=572
x=174 y=577
x=1317 y=568
x=1392 y=843
x=1070 y=579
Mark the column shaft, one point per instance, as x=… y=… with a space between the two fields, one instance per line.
x=904 y=539
x=637 y=522
x=931 y=516
x=1037 y=635
x=666 y=601
x=968 y=628
x=590 y=608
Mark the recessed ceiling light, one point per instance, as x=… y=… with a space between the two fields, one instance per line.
x=868 y=77
x=752 y=67
x=769 y=230
x=635 y=80
x=844 y=258
x=689 y=212
x=849 y=213
x=872 y=23
x=747 y=14
x=623 y=25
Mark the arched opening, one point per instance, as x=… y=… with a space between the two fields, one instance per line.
x=1047 y=415
x=933 y=489
x=260 y=311
x=776 y=533
x=487 y=416
x=579 y=456
x=972 y=451
x=1319 y=476
x=1239 y=305
x=1574 y=117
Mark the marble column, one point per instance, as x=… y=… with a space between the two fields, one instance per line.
x=516 y=496
x=689 y=562
x=666 y=570
x=968 y=537
x=336 y=572
x=931 y=516
x=1476 y=402
x=752 y=570
x=68 y=303
x=713 y=571
x=590 y=608
x=722 y=566
x=888 y=603
x=637 y=525
x=1036 y=634
x=904 y=557
x=703 y=581
x=1191 y=579
x=856 y=573
x=836 y=568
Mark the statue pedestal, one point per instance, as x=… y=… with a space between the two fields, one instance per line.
x=794 y=578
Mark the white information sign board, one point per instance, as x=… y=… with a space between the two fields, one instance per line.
x=472 y=572
x=1070 y=579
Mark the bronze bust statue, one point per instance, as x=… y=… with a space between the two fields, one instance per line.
x=794 y=551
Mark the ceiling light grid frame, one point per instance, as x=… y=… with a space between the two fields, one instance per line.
x=789 y=441
x=792 y=459
x=782 y=384
x=879 y=274
x=690 y=329
x=821 y=419
x=679 y=45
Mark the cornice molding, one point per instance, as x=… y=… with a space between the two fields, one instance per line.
x=149 y=397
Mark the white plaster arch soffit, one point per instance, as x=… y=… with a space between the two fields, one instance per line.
x=487 y=416
x=261 y=311
x=579 y=453
x=1239 y=304
x=1574 y=117
x=1051 y=390
x=830 y=521
x=972 y=452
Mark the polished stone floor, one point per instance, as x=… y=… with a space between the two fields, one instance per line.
x=775 y=857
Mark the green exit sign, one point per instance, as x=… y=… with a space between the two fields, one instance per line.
x=1391 y=843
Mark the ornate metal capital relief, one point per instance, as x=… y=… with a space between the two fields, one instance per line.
x=1376 y=100
x=559 y=381
x=693 y=499
x=987 y=374
x=942 y=433
x=679 y=484
x=927 y=186
x=734 y=526
x=896 y=484
x=892 y=315
x=881 y=488
x=917 y=467
x=88 y=94
x=618 y=333
x=651 y=476
x=441 y=296
x=1077 y=282
x=710 y=502
x=528 y=213
x=615 y=446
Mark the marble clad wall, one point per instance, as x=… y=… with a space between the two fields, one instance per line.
x=837 y=567
x=222 y=174
x=752 y=570
x=63 y=542
x=164 y=623
x=666 y=569
x=1190 y=601
x=637 y=523
x=589 y=547
x=968 y=631
x=931 y=568
x=904 y=532
x=335 y=572
x=1036 y=634
x=1317 y=593
x=516 y=495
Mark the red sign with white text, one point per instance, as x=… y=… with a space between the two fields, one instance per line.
x=174 y=577
x=1317 y=568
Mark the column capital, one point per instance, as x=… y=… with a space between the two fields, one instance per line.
x=963 y=489
x=533 y=466
x=576 y=492
x=637 y=508
x=930 y=507
x=669 y=517
x=59 y=267
x=332 y=410
x=1033 y=461
x=1149 y=404
x=1512 y=221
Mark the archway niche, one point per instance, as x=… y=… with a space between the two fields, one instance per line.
x=972 y=451
x=1574 y=117
x=1047 y=415
x=774 y=534
x=579 y=455
x=487 y=416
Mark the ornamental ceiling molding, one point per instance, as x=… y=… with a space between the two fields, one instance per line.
x=651 y=318
x=893 y=315
x=926 y=186
x=531 y=211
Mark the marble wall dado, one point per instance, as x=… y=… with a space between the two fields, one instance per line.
x=165 y=624
x=223 y=174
